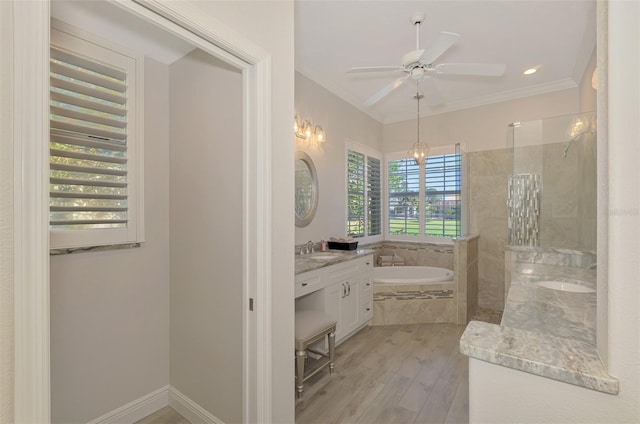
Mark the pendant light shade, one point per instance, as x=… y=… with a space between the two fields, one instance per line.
x=419 y=150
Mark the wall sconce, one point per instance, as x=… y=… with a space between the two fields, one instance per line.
x=306 y=131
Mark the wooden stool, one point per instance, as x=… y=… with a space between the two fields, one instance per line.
x=312 y=326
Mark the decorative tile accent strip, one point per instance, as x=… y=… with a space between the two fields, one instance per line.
x=523 y=201
x=413 y=294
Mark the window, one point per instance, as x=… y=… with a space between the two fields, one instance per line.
x=404 y=197
x=95 y=141
x=364 y=192
x=434 y=189
x=442 y=195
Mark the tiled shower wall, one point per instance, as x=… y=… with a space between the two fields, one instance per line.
x=488 y=173
x=568 y=206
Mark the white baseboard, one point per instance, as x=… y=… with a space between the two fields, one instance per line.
x=154 y=401
x=137 y=409
x=189 y=409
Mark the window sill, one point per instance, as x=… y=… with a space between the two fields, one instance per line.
x=69 y=250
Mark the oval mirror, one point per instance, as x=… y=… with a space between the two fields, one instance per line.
x=306 y=189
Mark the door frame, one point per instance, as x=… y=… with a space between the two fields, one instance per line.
x=29 y=124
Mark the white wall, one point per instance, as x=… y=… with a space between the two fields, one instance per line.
x=624 y=198
x=6 y=218
x=269 y=24
x=512 y=396
x=206 y=247
x=110 y=310
x=479 y=128
x=341 y=121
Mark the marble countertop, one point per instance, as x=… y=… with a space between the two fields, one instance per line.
x=312 y=261
x=546 y=332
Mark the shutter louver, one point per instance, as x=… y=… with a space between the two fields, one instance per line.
x=374 y=197
x=355 y=194
x=88 y=144
x=442 y=195
x=404 y=197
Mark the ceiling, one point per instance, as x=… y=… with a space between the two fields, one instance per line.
x=556 y=36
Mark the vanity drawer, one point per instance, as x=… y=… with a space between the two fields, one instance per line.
x=308 y=282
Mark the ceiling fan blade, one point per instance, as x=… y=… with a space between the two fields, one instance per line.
x=386 y=90
x=375 y=69
x=441 y=44
x=432 y=93
x=480 y=69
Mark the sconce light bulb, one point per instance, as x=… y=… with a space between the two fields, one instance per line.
x=319 y=134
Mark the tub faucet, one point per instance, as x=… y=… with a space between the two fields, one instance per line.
x=393 y=259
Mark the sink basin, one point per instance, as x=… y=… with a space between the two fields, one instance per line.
x=565 y=286
x=325 y=256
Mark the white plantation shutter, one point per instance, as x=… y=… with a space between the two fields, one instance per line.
x=404 y=197
x=374 y=196
x=355 y=194
x=364 y=192
x=443 y=195
x=93 y=173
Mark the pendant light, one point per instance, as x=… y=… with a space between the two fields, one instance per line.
x=419 y=150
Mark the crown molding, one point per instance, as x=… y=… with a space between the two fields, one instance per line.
x=504 y=96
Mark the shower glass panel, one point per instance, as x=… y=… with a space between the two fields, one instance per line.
x=551 y=195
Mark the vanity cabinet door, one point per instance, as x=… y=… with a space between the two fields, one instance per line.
x=332 y=302
x=341 y=302
x=349 y=306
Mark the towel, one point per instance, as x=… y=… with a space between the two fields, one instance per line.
x=342 y=239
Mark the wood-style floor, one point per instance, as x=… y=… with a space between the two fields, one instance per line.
x=384 y=374
x=392 y=374
x=165 y=415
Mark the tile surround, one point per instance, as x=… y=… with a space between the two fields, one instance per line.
x=567 y=220
x=430 y=303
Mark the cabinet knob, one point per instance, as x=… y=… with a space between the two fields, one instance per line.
x=368 y=263
x=368 y=309
x=304 y=284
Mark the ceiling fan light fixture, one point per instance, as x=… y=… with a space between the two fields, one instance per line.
x=417 y=73
x=530 y=71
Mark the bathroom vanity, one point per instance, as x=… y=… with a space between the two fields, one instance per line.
x=338 y=283
x=544 y=346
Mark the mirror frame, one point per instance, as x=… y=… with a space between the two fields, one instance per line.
x=304 y=221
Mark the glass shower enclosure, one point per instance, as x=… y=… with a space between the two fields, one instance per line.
x=551 y=193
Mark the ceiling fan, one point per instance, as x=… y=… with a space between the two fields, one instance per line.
x=419 y=63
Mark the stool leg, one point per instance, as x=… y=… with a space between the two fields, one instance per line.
x=300 y=357
x=332 y=350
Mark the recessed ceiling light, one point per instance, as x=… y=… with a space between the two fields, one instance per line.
x=530 y=71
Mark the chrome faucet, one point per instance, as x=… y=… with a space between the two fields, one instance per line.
x=310 y=248
x=393 y=259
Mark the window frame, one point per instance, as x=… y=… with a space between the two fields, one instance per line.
x=421 y=237
x=97 y=49
x=373 y=153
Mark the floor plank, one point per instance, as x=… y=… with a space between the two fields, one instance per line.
x=392 y=374
x=166 y=415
